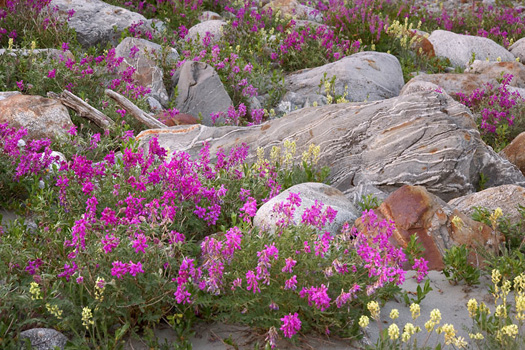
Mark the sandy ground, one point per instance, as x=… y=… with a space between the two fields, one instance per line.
x=451 y=300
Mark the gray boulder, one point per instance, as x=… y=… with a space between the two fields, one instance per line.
x=200 y=90
x=518 y=49
x=506 y=197
x=97 y=22
x=458 y=48
x=369 y=76
x=148 y=73
x=44 y=338
x=214 y=27
x=309 y=193
x=423 y=138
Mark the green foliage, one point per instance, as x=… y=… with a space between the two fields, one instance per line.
x=457 y=268
x=368 y=202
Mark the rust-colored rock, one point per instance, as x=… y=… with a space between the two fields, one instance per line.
x=42 y=117
x=179 y=119
x=416 y=211
x=515 y=152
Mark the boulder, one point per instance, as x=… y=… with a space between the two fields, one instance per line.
x=459 y=48
x=200 y=90
x=148 y=73
x=295 y=9
x=208 y=16
x=496 y=70
x=309 y=193
x=424 y=138
x=506 y=197
x=415 y=211
x=515 y=151
x=42 y=117
x=518 y=49
x=7 y=94
x=97 y=22
x=369 y=76
x=452 y=84
x=44 y=338
x=214 y=27
x=356 y=194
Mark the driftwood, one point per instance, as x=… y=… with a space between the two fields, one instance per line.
x=136 y=112
x=83 y=108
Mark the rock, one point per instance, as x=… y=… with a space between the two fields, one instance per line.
x=506 y=197
x=200 y=90
x=178 y=119
x=518 y=49
x=416 y=211
x=214 y=27
x=309 y=193
x=295 y=9
x=496 y=70
x=452 y=84
x=357 y=193
x=51 y=54
x=209 y=16
x=458 y=48
x=153 y=104
x=44 y=338
x=97 y=22
x=423 y=138
x=515 y=151
x=368 y=75
x=420 y=85
x=42 y=117
x=7 y=94
x=144 y=60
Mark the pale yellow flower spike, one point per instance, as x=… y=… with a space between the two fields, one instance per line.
x=394 y=314
x=393 y=331
x=415 y=309
x=373 y=307
x=364 y=321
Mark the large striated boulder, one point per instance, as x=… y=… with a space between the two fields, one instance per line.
x=424 y=138
x=42 y=117
x=200 y=91
x=143 y=55
x=506 y=197
x=97 y=22
x=459 y=48
x=309 y=193
x=367 y=76
x=515 y=151
x=415 y=211
x=44 y=339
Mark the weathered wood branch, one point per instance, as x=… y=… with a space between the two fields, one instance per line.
x=136 y=112
x=82 y=108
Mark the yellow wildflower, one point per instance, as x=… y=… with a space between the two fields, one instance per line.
x=476 y=336
x=415 y=309
x=54 y=310
x=394 y=314
x=364 y=321
x=373 y=307
x=472 y=307
x=393 y=331
x=87 y=317
x=34 y=289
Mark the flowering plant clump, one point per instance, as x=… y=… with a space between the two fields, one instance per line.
x=294 y=278
x=498 y=112
x=122 y=230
